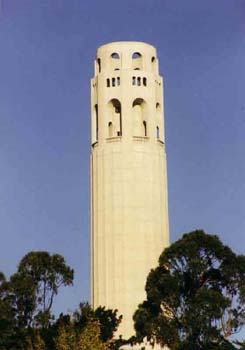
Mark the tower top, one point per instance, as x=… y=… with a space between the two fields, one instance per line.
x=127 y=55
x=126 y=45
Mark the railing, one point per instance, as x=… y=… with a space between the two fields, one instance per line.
x=140 y=138
x=114 y=139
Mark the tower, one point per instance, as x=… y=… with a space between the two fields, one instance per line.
x=129 y=211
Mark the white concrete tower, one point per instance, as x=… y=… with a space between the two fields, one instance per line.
x=129 y=210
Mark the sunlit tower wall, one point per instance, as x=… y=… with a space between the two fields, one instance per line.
x=129 y=207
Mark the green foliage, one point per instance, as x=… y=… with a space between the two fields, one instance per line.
x=7 y=315
x=195 y=297
x=38 y=342
x=47 y=273
x=22 y=291
x=107 y=320
x=66 y=339
x=89 y=338
x=84 y=330
x=26 y=300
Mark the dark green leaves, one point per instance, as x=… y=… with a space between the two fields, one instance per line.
x=195 y=297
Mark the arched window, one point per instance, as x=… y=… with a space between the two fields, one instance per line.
x=115 y=117
x=153 y=63
x=113 y=82
x=110 y=129
x=96 y=123
x=118 y=81
x=134 y=80
x=158 y=120
x=145 y=128
x=144 y=81
x=115 y=55
x=137 y=61
x=136 y=55
x=138 y=81
x=158 y=132
x=108 y=82
x=99 y=64
x=139 y=117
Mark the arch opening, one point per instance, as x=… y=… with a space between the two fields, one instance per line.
x=137 y=61
x=96 y=123
x=115 y=117
x=145 y=127
x=153 y=63
x=115 y=55
x=136 y=55
x=139 y=117
x=158 y=133
x=110 y=129
x=99 y=64
x=159 y=121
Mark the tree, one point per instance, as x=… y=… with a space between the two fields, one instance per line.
x=107 y=320
x=7 y=315
x=29 y=345
x=38 y=341
x=66 y=338
x=61 y=342
x=89 y=338
x=22 y=292
x=47 y=273
x=195 y=297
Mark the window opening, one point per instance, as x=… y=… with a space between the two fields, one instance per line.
x=139 y=117
x=108 y=82
x=115 y=117
x=138 y=81
x=113 y=82
x=144 y=81
x=115 y=55
x=136 y=55
x=96 y=123
x=158 y=133
x=118 y=81
x=110 y=129
x=145 y=128
x=99 y=64
x=134 y=80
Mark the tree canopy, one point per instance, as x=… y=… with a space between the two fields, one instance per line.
x=26 y=320
x=195 y=296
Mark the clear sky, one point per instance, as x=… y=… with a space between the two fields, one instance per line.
x=47 y=50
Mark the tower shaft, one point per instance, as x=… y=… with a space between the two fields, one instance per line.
x=129 y=212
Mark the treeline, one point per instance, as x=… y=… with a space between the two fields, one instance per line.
x=26 y=319
x=195 y=300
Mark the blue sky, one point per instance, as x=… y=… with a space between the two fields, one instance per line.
x=47 y=50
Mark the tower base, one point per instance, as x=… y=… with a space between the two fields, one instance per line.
x=143 y=346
